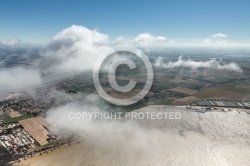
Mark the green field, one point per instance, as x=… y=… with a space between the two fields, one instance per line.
x=135 y=106
x=195 y=86
x=163 y=102
x=7 y=119
x=179 y=94
x=166 y=84
x=221 y=79
x=236 y=86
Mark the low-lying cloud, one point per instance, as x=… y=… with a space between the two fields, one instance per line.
x=105 y=128
x=19 y=78
x=188 y=63
x=216 y=39
x=12 y=42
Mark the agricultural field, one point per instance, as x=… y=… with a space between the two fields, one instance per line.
x=208 y=92
x=162 y=102
x=240 y=86
x=7 y=119
x=221 y=79
x=36 y=128
x=120 y=95
x=184 y=90
x=14 y=114
x=230 y=95
x=166 y=84
x=186 y=100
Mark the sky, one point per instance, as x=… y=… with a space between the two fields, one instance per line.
x=40 y=20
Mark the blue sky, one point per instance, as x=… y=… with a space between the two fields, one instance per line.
x=40 y=20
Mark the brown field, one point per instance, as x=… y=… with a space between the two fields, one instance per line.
x=35 y=127
x=209 y=92
x=186 y=100
x=246 y=86
x=184 y=90
x=14 y=114
x=247 y=98
x=229 y=95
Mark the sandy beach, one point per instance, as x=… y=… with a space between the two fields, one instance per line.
x=196 y=139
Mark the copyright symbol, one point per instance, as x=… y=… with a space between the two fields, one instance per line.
x=112 y=68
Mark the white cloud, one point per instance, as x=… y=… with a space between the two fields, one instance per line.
x=143 y=40
x=86 y=125
x=188 y=63
x=219 y=35
x=69 y=41
x=19 y=78
x=146 y=39
x=122 y=41
x=10 y=42
x=15 y=42
x=216 y=39
x=76 y=49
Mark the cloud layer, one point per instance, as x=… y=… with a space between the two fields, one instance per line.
x=188 y=63
x=12 y=43
x=19 y=78
x=76 y=48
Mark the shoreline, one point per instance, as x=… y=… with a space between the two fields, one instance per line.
x=196 y=133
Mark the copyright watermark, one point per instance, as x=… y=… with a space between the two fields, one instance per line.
x=111 y=68
x=126 y=115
